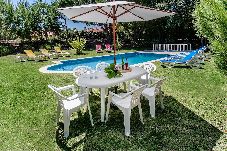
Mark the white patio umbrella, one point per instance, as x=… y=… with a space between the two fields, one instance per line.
x=112 y=12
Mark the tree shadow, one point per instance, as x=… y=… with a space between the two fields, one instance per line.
x=174 y=128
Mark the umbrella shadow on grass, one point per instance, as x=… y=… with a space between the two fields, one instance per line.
x=184 y=66
x=174 y=128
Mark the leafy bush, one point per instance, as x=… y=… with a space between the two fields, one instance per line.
x=119 y=44
x=6 y=50
x=78 y=45
x=221 y=61
x=48 y=47
x=211 y=22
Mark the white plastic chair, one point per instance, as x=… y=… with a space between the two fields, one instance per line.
x=69 y=105
x=149 y=67
x=151 y=91
x=101 y=66
x=125 y=102
x=81 y=70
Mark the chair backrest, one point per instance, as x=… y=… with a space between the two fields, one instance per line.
x=83 y=98
x=157 y=84
x=58 y=95
x=29 y=53
x=189 y=57
x=136 y=95
x=108 y=47
x=44 y=51
x=98 y=47
x=57 y=49
x=81 y=70
x=149 y=67
x=101 y=66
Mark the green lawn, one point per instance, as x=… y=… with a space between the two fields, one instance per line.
x=194 y=117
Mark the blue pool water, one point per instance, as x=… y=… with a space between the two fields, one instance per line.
x=133 y=58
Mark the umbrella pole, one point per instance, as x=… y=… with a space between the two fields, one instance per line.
x=114 y=33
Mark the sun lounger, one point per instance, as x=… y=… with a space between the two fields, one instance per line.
x=108 y=48
x=49 y=55
x=20 y=58
x=32 y=56
x=99 y=49
x=62 y=52
x=188 y=60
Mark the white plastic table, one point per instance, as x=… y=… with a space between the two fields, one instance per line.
x=100 y=80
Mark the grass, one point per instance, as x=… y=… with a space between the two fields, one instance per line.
x=194 y=117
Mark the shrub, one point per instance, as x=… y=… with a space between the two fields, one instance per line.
x=211 y=22
x=48 y=46
x=221 y=61
x=6 y=50
x=78 y=45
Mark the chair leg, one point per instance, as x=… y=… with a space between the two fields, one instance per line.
x=127 y=115
x=140 y=112
x=128 y=86
x=66 y=119
x=88 y=92
x=161 y=99
x=58 y=113
x=89 y=110
x=85 y=107
x=152 y=106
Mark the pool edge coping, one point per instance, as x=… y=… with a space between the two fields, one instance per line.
x=44 y=69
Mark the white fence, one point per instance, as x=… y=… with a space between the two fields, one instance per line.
x=172 y=47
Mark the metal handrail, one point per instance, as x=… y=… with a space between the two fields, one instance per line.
x=172 y=47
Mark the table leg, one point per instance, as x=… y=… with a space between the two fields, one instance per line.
x=102 y=104
x=125 y=86
x=128 y=86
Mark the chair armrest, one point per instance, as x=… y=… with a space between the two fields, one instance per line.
x=82 y=95
x=66 y=88
x=154 y=78
x=85 y=95
x=153 y=84
x=157 y=78
x=121 y=97
x=136 y=86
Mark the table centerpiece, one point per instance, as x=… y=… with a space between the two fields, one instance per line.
x=112 y=71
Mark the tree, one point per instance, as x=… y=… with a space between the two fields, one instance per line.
x=6 y=20
x=162 y=30
x=23 y=20
x=211 y=22
x=51 y=19
x=36 y=20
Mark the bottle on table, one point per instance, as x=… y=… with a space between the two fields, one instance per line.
x=116 y=68
x=126 y=64
x=122 y=63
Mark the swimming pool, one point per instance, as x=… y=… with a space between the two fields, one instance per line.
x=133 y=58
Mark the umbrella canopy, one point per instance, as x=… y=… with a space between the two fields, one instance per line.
x=112 y=12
